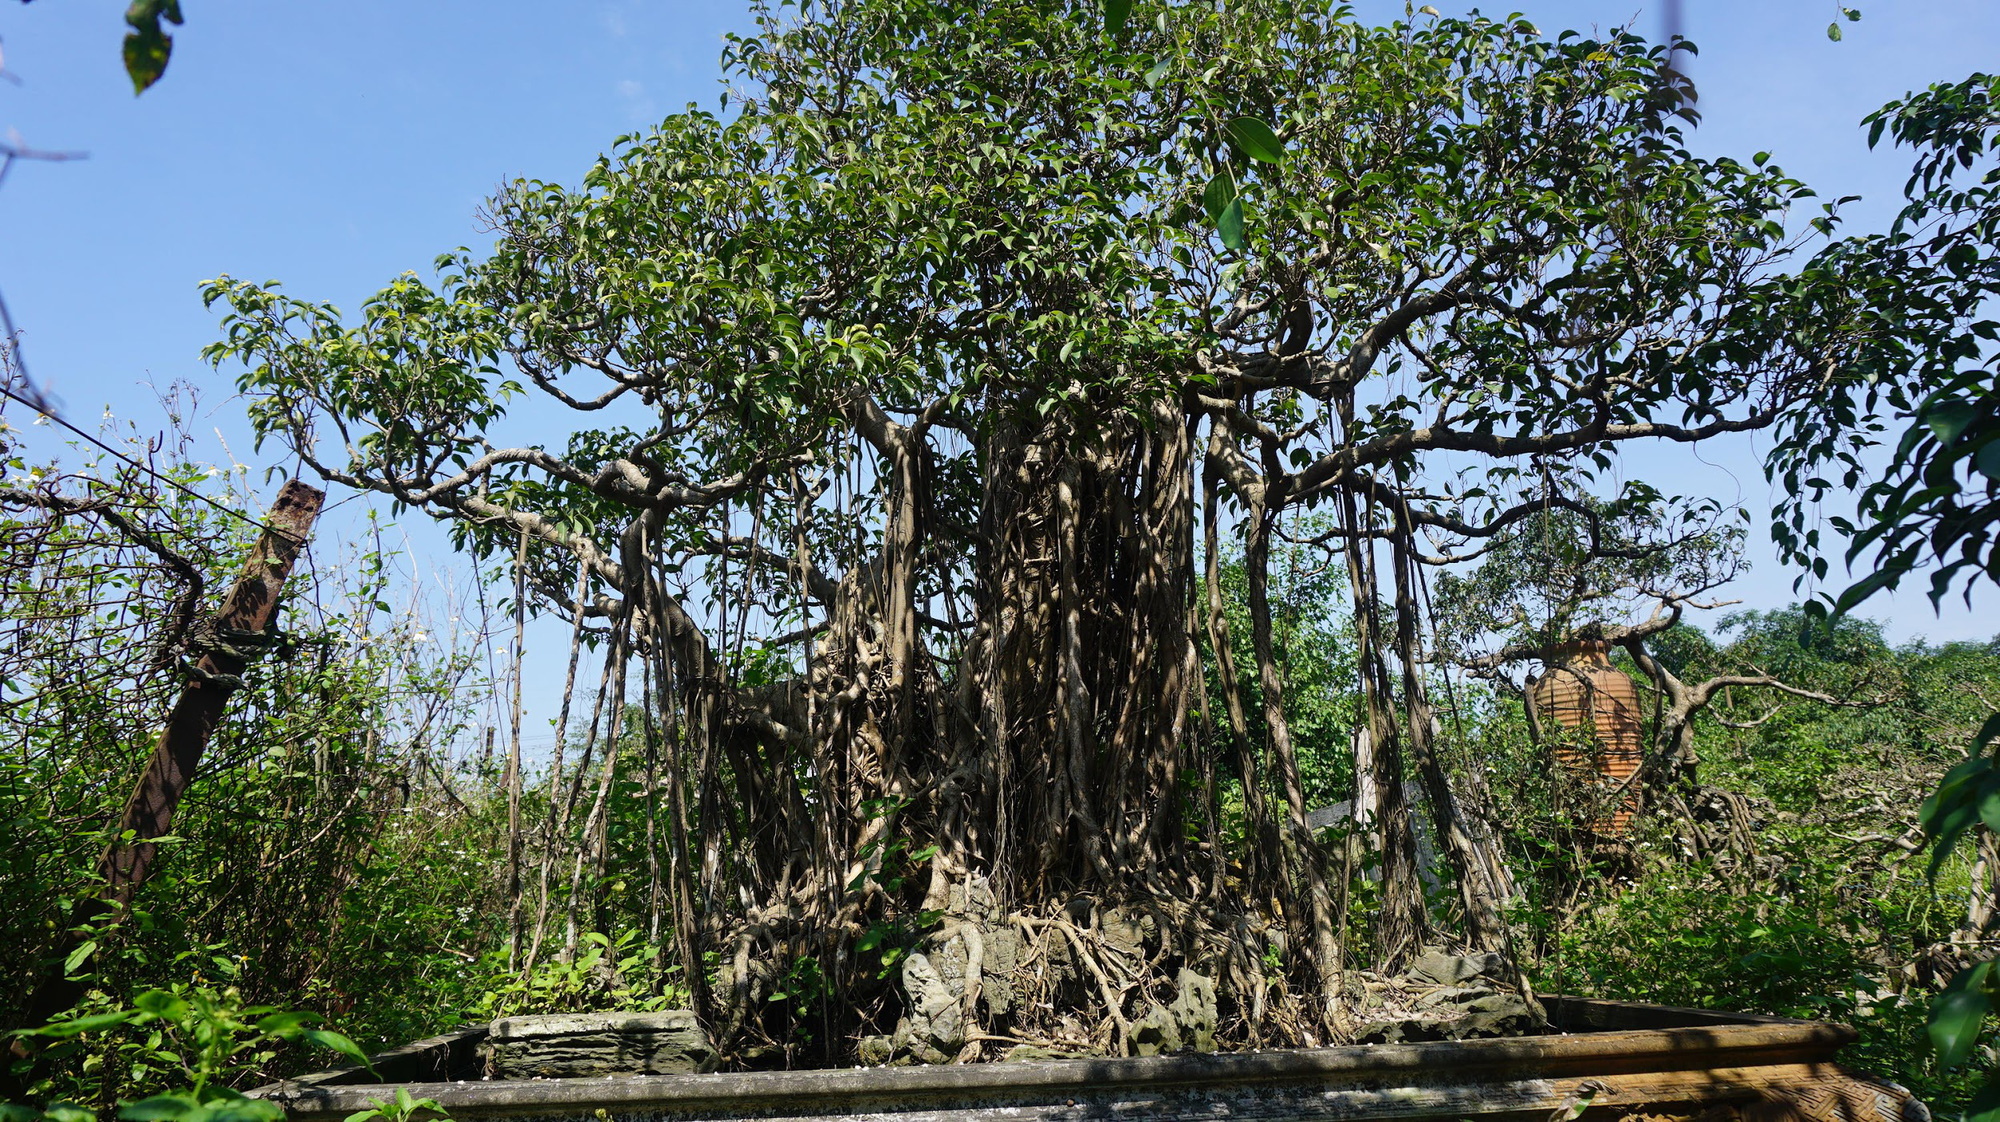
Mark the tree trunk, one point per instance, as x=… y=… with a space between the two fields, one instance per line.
x=1486 y=885
x=1403 y=924
x=1304 y=860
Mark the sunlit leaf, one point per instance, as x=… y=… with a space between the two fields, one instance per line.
x=92 y=1023
x=1229 y=224
x=1257 y=139
x=79 y=956
x=159 y=1108
x=1957 y=1015
x=1949 y=419
x=285 y=1022
x=160 y=1003
x=1216 y=197
x=327 y=1038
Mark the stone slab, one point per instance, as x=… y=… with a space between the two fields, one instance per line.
x=581 y=1045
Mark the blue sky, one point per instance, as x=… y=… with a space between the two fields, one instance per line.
x=336 y=145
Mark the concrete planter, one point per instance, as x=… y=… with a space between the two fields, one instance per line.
x=1612 y=1061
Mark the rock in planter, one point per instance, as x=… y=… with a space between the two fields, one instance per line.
x=933 y=1030
x=568 y=1045
x=1194 y=1009
x=1443 y=969
x=1155 y=1033
x=876 y=1051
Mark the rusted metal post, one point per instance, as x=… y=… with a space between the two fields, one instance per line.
x=248 y=608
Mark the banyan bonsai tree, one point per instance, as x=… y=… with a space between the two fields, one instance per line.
x=884 y=428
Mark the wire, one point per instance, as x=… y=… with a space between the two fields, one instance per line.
x=47 y=411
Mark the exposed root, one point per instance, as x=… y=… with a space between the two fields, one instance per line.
x=1139 y=977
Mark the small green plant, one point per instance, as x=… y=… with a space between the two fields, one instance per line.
x=807 y=988
x=401 y=1108
x=891 y=940
x=193 y=1037
x=620 y=972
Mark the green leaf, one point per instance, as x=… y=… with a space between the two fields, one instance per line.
x=1989 y=805
x=1988 y=732
x=327 y=1038
x=1957 y=1015
x=146 y=49
x=68 y=1112
x=1257 y=139
x=1865 y=587
x=1115 y=14
x=1229 y=224
x=159 y=1108
x=91 y=1023
x=1987 y=459
x=1156 y=72
x=1216 y=197
x=1833 y=32
x=78 y=956
x=233 y=1106
x=1954 y=807
x=284 y=1022
x=1948 y=419
x=160 y=1003
x=245 y=1110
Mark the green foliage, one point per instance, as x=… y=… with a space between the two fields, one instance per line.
x=304 y=783
x=1934 y=275
x=1042 y=221
x=1806 y=945
x=190 y=1036
x=1934 y=278
x=606 y=973
x=1313 y=641
x=1589 y=563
